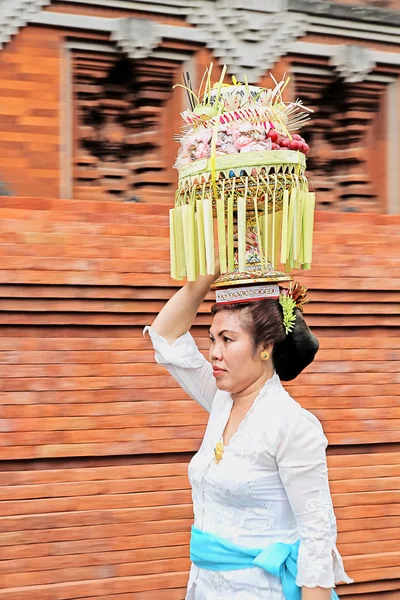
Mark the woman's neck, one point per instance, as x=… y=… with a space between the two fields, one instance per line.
x=247 y=396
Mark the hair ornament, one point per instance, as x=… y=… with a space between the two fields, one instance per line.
x=289 y=318
x=295 y=296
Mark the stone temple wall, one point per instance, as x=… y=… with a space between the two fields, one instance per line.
x=88 y=109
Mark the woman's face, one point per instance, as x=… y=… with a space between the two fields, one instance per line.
x=236 y=366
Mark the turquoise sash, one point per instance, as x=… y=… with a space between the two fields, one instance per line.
x=208 y=551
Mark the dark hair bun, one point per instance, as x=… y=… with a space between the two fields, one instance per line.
x=297 y=350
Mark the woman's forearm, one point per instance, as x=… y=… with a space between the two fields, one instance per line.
x=178 y=314
x=316 y=593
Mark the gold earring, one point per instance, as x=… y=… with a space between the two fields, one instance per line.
x=264 y=355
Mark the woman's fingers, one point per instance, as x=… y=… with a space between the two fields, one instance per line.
x=251 y=238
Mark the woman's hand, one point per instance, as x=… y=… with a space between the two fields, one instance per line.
x=251 y=238
x=317 y=593
x=178 y=314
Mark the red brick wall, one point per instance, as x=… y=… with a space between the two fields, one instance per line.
x=29 y=113
x=95 y=437
x=31 y=120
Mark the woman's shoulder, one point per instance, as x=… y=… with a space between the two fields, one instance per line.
x=287 y=414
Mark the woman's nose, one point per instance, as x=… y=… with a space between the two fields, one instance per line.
x=216 y=351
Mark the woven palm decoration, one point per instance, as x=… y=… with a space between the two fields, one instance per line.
x=241 y=172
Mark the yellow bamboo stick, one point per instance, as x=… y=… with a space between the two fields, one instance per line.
x=201 y=244
x=221 y=229
x=290 y=230
x=172 y=234
x=308 y=212
x=295 y=219
x=284 y=236
x=274 y=258
x=213 y=150
x=209 y=235
x=259 y=239
x=241 y=208
x=179 y=239
x=276 y=235
x=220 y=82
x=231 y=249
x=208 y=84
x=266 y=227
x=188 y=222
x=266 y=236
x=196 y=244
x=185 y=208
x=300 y=200
x=299 y=217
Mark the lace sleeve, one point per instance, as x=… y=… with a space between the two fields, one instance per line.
x=303 y=470
x=187 y=365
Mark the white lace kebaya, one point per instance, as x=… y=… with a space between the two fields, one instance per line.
x=270 y=486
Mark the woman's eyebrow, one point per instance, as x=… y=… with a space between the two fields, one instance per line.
x=221 y=333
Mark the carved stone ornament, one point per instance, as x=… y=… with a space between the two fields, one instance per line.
x=136 y=37
x=15 y=14
x=248 y=36
x=352 y=62
x=376 y=11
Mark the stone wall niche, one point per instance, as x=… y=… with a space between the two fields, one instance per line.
x=119 y=110
x=341 y=135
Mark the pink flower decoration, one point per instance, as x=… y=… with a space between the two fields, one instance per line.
x=248 y=133
x=203 y=150
x=257 y=146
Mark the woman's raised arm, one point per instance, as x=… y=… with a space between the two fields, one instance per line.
x=178 y=314
x=175 y=347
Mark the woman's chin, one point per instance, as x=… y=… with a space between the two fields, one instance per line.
x=223 y=385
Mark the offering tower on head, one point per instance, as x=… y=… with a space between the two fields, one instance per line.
x=241 y=165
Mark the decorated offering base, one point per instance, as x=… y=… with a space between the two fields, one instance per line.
x=257 y=269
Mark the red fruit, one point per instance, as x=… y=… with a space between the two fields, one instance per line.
x=285 y=142
x=275 y=146
x=301 y=147
x=305 y=148
x=296 y=136
x=273 y=135
x=294 y=145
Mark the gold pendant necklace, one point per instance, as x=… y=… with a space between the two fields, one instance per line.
x=219 y=451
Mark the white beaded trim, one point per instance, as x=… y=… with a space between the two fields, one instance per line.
x=247 y=293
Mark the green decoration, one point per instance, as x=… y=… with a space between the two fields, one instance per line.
x=289 y=317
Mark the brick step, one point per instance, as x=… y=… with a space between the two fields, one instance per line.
x=82 y=207
x=357 y=347
x=54 y=292
x=139 y=208
x=376 y=257
x=150 y=306
x=79 y=319
x=380 y=280
x=57 y=216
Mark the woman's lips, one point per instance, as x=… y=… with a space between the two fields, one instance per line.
x=217 y=371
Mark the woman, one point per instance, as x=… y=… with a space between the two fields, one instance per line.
x=260 y=475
